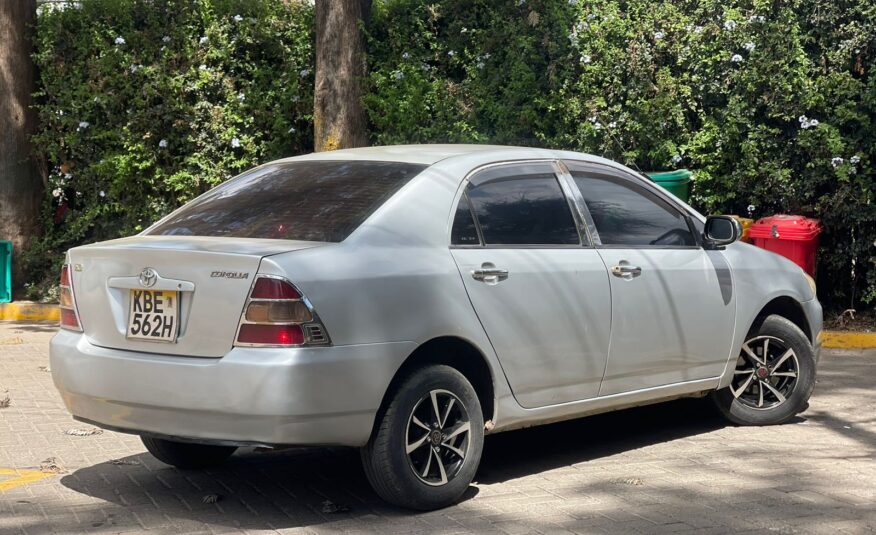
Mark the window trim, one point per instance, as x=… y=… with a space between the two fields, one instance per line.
x=610 y=173
x=584 y=239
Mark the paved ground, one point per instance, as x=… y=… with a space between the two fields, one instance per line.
x=668 y=468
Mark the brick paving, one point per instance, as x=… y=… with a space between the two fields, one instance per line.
x=673 y=467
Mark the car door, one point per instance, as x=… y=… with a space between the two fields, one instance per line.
x=539 y=288
x=672 y=302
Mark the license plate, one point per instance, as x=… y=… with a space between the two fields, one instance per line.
x=153 y=315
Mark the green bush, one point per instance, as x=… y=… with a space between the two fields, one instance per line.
x=770 y=103
x=144 y=104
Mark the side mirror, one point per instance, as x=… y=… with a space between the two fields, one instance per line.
x=720 y=231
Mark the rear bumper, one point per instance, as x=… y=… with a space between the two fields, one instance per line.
x=267 y=396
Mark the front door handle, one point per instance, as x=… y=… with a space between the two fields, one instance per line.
x=489 y=274
x=625 y=271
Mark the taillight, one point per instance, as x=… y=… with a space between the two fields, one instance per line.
x=69 y=315
x=278 y=315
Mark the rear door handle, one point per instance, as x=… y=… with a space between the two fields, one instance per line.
x=625 y=271
x=489 y=275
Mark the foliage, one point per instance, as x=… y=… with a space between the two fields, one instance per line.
x=770 y=103
x=145 y=104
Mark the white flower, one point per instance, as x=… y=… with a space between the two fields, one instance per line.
x=749 y=46
x=235 y=143
x=68 y=176
x=165 y=39
x=736 y=58
x=398 y=75
x=237 y=18
x=729 y=25
x=83 y=125
x=162 y=144
x=585 y=58
x=802 y=119
x=451 y=53
x=855 y=160
x=120 y=40
x=57 y=192
x=658 y=35
x=836 y=161
x=487 y=55
x=698 y=29
x=676 y=159
x=573 y=2
x=291 y=130
x=805 y=125
x=203 y=40
x=241 y=97
x=479 y=65
x=304 y=73
x=102 y=193
x=202 y=67
x=853 y=171
x=134 y=68
x=751 y=208
x=813 y=122
x=406 y=56
x=612 y=124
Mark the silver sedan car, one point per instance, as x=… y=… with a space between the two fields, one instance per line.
x=409 y=300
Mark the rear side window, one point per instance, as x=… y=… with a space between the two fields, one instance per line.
x=313 y=201
x=522 y=205
x=464 y=231
x=625 y=214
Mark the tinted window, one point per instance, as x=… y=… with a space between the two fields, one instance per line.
x=314 y=201
x=625 y=214
x=522 y=206
x=464 y=231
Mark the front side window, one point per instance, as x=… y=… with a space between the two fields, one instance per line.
x=306 y=200
x=625 y=214
x=522 y=205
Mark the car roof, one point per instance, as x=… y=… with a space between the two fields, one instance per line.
x=427 y=154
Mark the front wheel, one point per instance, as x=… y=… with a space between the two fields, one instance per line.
x=773 y=378
x=427 y=445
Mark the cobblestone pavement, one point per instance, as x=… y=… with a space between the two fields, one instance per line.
x=666 y=468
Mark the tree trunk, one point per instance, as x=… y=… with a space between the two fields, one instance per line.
x=338 y=117
x=20 y=182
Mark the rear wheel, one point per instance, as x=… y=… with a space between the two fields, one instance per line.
x=186 y=455
x=773 y=378
x=427 y=445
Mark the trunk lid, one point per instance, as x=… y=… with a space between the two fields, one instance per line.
x=212 y=276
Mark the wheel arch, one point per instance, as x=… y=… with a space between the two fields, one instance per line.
x=788 y=308
x=461 y=355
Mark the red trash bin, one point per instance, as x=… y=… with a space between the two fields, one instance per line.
x=793 y=236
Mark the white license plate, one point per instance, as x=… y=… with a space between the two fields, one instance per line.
x=153 y=315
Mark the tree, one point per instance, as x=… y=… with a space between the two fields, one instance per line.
x=20 y=182
x=338 y=116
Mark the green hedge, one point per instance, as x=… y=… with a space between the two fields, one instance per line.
x=144 y=104
x=770 y=103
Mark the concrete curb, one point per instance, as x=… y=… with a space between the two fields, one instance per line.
x=30 y=311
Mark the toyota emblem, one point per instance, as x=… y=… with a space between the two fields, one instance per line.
x=148 y=277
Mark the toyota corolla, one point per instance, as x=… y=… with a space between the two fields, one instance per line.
x=409 y=300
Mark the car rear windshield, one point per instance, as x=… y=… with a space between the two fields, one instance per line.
x=312 y=200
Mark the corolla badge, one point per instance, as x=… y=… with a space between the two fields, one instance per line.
x=148 y=277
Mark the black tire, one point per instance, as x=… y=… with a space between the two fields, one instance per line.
x=742 y=410
x=187 y=455
x=388 y=466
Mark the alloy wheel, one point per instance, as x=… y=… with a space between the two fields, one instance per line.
x=766 y=373
x=437 y=437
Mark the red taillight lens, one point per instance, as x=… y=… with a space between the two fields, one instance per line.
x=69 y=315
x=268 y=288
x=276 y=314
x=278 y=335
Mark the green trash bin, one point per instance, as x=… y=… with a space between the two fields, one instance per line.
x=5 y=271
x=676 y=182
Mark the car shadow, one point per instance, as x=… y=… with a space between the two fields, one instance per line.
x=310 y=486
